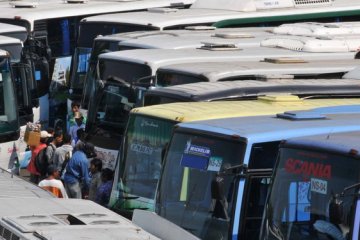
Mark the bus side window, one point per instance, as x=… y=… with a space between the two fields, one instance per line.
x=263 y=155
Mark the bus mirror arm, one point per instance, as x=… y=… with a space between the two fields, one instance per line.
x=343 y=193
x=234 y=170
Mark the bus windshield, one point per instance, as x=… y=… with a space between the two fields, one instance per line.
x=165 y=79
x=80 y=65
x=123 y=71
x=8 y=109
x=145 y=140
x=193 y=193
x=111 y=113
x=303 y=194
x=100 y=46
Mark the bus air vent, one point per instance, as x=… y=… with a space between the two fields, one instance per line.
x=280 y=98
x=104 y=222
x=24 y=4
x=284 y=60
x=304 y=3
x=233 y=35
x=76 y=1
x=264 y=77
x=300 y=115
x=162 y=10
x=219 y=46
x=200 y=28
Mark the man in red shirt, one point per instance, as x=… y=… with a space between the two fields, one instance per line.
x=34 y=174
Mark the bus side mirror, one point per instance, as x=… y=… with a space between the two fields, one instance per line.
x=335 y=210
x=25 y=85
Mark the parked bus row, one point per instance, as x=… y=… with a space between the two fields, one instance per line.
x=211 y=176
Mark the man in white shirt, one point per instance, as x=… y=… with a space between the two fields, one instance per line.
x=53 y=184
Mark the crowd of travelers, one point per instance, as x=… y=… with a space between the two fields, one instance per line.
x=67 y=166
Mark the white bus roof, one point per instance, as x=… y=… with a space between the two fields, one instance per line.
x=49 y=218
x=47 y=9
x=196 y=31
x=318 y=29
x=161 y=20
x=215 y=71
x=311 y=44
x=156 y=58
x=172 y=41
x=12 y=186
x=213 y=11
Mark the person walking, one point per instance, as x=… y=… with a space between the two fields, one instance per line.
x=57 y=140
x=95 y=171
x=74 y=128
x=76 y=177
x=63 y=154
x=52 y=183
x=34 y=173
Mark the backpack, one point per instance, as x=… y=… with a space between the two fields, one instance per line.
x=41 y=161
x=68 y=155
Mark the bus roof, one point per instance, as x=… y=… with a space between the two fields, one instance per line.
x=160 y=18
x=156 y=58
x=195 y=111
x=9 y=40
x=318 y=28
x=212 y=11
x=193 y=30
x=212 y=91
x=215 y=71
x=56 y=219
x=301 y=10
x=194 y=39
x=341 y=143
x=270 y=128
x=48 y=9
x=13 y=186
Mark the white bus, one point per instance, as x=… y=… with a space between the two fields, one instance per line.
x=30 y=212
x=191 y=37
x=127 y=74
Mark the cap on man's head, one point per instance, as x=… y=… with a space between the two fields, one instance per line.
x=44 y=134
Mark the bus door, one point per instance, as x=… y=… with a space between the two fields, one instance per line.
x=254 y=196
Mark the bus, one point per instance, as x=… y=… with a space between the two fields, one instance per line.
x=191 y=37
x=24 y=88
x=314 y=189
x=30 y=212
x=216 y=172
x=250 y=89
x=149 y=130
x=52 y=32
x=9 y=116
